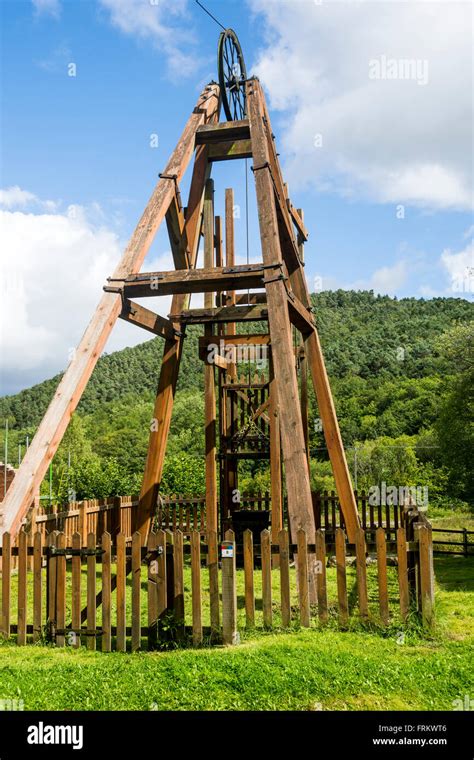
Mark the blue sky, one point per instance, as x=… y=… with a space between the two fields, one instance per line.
x=387 y=193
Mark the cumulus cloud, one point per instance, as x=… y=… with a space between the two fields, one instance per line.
x=459 y=266
x=47 y=7
x=53 y=268
x=165 y=24
x=15 y=197
x=396 y=132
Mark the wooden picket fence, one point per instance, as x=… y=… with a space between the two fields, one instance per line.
x=179 y=590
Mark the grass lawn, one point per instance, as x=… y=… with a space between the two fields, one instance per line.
x=319 y=668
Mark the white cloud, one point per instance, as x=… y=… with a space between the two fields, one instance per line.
x=389 y=140
x=54 y=266
x=460 y=270
x=47 y=7
x=15 y=197
x=154 y=21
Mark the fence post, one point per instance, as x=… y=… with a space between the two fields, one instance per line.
x=121 y=594
x=382 y=575
x=361 y=573
x=91 y=592
x=343 y=607
x=76 y=589
x=229 y=591
x=22 y=577
x=196 y=587
x=37 y=587
x=213 y=564
x=6 y=583
x=61 y=591
x=426 y=574
x=465 y=542
x=136 y=586
x=178 y=581
x=265 y=545
x=51 y=588
x=302 y=569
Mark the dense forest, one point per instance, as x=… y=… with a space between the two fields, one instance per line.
x=402 y=373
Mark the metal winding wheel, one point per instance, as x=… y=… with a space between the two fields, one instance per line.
x=232 y=75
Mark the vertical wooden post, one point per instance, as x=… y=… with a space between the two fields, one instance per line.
x=178 y=570
x=196 y=587
x=361 y=568
x=382 y=575
x=121 y=594
x=76 y=589
x=61 y=591
x=300 y=508
x=303 y=588
x=136 y=587
x=213 y=564
x=161 y=580
x=91 y=592
x=230 y=463
x=22 y=593
x=152 y=590
x=37 y=587
x=284 y=578
x=403 y=573
x=425 y=543
x=265 y=545
x=343 y=607
x=248 y=579
x=275 y=458
x=229 y=593
x=209 y=376
x=6 y=583
x=51 y=588
x=321 y=576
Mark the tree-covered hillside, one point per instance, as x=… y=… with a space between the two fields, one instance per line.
x=401 y=378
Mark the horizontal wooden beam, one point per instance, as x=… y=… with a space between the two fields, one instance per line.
x=221 y=314
x=215 y=279
x=229 y=150
x=249 y=298
x=138 y=315
x=224 y=132
x=224 y=343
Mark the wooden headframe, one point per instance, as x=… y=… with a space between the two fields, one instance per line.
x=286 y=301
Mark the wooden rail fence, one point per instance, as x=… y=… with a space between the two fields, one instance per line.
x=114 y=594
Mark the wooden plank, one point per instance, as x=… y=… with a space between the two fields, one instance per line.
x=426 y=574
x=285 y=598
x=51 y=588
x=61 y=591
x=222 y=314
x=230 y=150
x=223 y=132
x=152 y=591
x=299 y=315
x=175 y=223
x=172 y=353
x=136 y=587
x=208 y=280
x=106 y=545
x=343 y=607
x=321 y=586
x=22 y=589
x=209 y=372
x=161 y=581
x=91 y=591
x=6 y=584
x=302 y=569
x=121 y=594
x=138 y=315
x=229 y=595
x=403 y=574
x=178 y=568
x=248 y=579
x=33 y=468
x=291 y=427
x=265 y=546
x=196 y=587
x=213 y=565
x=313 y=347
x=275 y=458
x=382 y=575
x=37 y=585
x=361 y=572
x=76 y=591
x=297 y=217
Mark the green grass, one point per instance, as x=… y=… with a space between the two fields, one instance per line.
x=320 y=668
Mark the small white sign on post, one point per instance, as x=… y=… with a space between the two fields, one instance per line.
x=227 y=549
